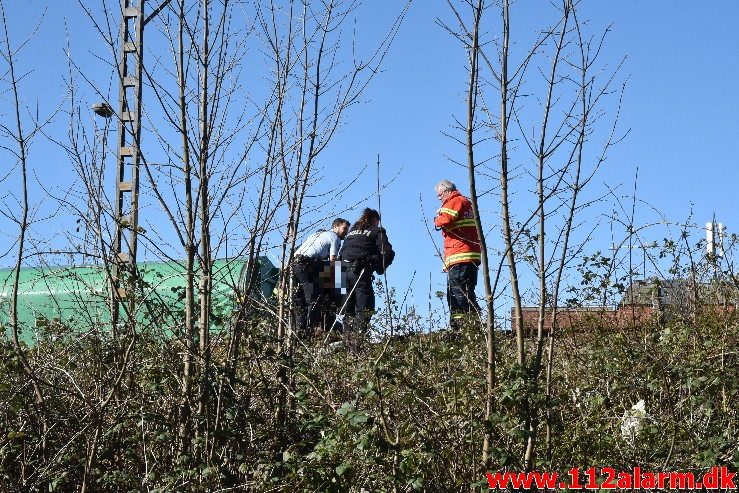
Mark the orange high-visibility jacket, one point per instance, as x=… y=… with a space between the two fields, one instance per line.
x=457 y=224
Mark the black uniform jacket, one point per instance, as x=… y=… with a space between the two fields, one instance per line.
x=370 y=246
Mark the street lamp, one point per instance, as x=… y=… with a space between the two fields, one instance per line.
x=102 y=109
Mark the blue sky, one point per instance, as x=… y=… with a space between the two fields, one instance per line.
x=678 y=114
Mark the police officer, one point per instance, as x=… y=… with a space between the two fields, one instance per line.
x=309 y=258
x=366 y=249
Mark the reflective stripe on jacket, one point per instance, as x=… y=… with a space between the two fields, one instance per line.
x=457 y=224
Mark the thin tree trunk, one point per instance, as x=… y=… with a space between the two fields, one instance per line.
x=285 y=304
x=490 y=314
x=504 y=204
x=563 y=258
x=189 y=335
x=301 y=184
x=533 y=419
x=205 y=261
x=22 y=156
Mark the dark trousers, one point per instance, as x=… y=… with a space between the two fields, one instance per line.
x=460 y=292
x=326 y=307
x=305 y=293
x=360 y=303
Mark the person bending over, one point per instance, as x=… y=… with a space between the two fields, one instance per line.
x=308 y=261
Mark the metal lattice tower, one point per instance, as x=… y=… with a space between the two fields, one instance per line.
x=128 y=156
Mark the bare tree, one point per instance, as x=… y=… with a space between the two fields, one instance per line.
x=20 y=138
x=543 y=233
x=472 y=41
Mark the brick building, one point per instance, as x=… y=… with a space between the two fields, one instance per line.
x=641 y=302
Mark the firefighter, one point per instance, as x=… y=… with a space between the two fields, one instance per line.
x=456 y=221
x=366 y=250
x=309 y=258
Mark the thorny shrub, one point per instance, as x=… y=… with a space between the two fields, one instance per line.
x=398 y=415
